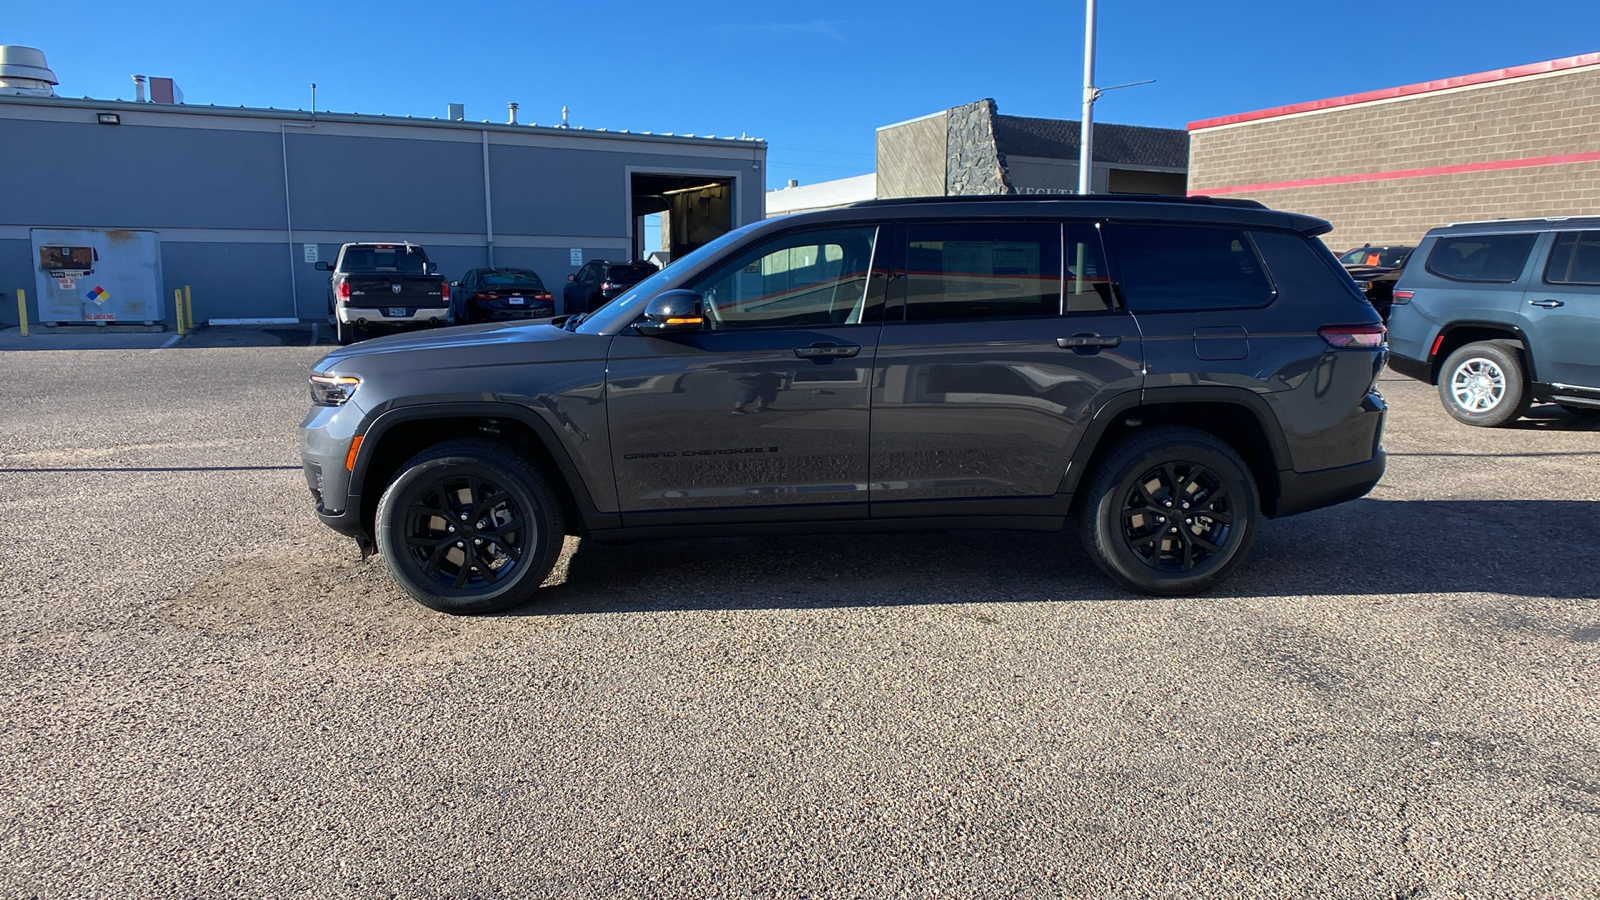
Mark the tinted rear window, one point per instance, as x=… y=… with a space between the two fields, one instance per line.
x=1575 y=258
x=384 y=259
x=1481 y=257
x=629 y=274
x=1188 y=267
x=513 y=278
x=980 y=270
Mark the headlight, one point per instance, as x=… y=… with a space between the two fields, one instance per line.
x=333 y=390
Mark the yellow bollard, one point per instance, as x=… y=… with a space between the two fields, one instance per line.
x=177 y=306
x=22 y=310
x=188 y=304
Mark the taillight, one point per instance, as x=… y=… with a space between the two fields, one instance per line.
x=544 y=296
x=1402 y=297
x=344 y=291
x=1353 y=337
x=444 y=289
x=482 y=296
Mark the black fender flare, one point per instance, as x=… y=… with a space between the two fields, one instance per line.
x=385 y=419
x=1130 y=402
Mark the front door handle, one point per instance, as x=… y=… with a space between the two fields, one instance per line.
x=827 y=351
x=1547 y=304
x=1088 y=341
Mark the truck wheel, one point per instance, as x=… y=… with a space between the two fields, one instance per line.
x=345 y=331
x=1169 y=511
x=1483 y=384
x=469 y=527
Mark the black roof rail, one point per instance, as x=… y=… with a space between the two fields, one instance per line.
x=1065 y=198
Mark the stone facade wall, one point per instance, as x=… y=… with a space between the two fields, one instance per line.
x=911 y=158
x=974 y=163
x=1521 y=118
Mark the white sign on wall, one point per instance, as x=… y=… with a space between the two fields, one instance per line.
x=311 y=253
x=577 y=257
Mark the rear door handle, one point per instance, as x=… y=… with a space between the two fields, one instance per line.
x=1547 y=304
x=827 y=351
x=1088 y=342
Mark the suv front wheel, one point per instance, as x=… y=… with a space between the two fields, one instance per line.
x=1171 y=511
x=1483 y=384
x=469 y=527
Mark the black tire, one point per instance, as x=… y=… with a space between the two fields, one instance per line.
x=1144 y=475
x=344 y=331
x=509 y=513
x=1581 y=412
x=1485 y=384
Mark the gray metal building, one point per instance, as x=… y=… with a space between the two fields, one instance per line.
x=245 y=200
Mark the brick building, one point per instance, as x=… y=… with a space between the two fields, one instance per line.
x=1385 y=166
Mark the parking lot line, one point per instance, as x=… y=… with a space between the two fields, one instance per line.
x=170 y=341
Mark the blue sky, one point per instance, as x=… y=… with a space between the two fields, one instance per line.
x=813 y=80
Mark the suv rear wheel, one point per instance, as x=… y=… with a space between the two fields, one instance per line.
x=1483 y=384
x=469 y=527
x=1170 y=511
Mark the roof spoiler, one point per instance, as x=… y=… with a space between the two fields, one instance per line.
x=1310 y=226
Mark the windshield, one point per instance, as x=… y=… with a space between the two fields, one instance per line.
x=1387 y=257
x=598 y=321
x=513 y=278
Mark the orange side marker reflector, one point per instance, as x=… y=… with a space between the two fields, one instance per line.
x=350 y=458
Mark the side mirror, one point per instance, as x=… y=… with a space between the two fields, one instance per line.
x=671 y=312
x=323 y=266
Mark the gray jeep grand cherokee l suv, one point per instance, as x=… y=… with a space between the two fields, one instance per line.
x=1499 y=314
x=1157 y=374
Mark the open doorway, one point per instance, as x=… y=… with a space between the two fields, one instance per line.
x=693 y=210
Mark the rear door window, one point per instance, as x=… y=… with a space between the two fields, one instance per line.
x=1575 y=259
x=1481 y=257
x=985 y=270
x=1168 y=268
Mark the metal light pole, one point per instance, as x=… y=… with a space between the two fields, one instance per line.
x=1090 y=95
x=1086 y=127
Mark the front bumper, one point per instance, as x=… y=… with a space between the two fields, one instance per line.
x=325 y=437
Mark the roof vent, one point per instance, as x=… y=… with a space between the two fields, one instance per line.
x=512 y=108
x=23 y=72
x=457 y=112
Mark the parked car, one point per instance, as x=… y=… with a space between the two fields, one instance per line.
x=389 y=286
x=500 y=295
x=1501 y=314
x=1156 y=374
x=1375 y=271
x=604 y=281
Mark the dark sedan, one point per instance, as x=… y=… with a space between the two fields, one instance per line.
x=501 y=295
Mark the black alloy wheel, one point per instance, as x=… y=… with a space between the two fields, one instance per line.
x=465 y=532
x=1168 y=511
x=1177 y=516
x=469 y=526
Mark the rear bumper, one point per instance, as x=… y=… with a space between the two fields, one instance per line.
x=377 y=316
x=1300 y=492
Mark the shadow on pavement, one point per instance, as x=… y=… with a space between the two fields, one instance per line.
x=1533 y=548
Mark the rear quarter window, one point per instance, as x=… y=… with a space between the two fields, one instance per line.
x=1168 y=268
x=1304 y=270
x=1481 y=257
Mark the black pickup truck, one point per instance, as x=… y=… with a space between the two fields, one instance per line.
x=390 y=286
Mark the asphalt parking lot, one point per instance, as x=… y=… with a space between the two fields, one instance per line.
x=205 y=692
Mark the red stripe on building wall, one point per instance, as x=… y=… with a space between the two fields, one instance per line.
x=1490 y=166
x=1426 y=87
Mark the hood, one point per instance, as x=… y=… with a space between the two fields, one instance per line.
x=460 y=346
